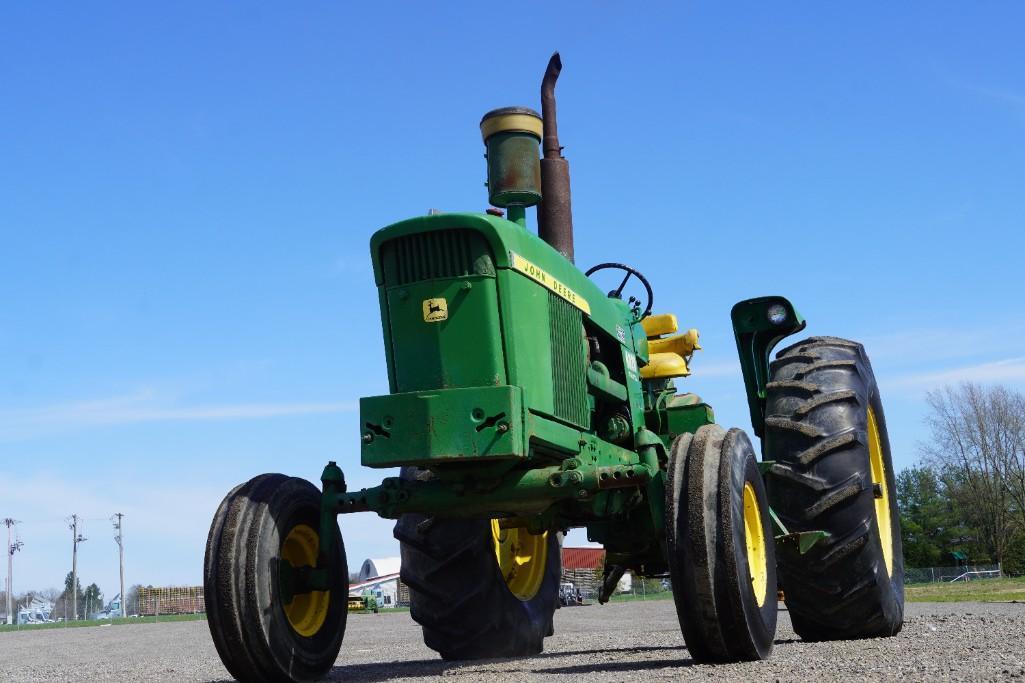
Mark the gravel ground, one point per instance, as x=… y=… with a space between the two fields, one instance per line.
x=621 y=642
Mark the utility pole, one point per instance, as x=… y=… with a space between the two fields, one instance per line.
x=11 y=549
x=119 y=539
x=76 y=538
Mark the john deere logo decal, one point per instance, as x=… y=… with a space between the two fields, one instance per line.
x=545 y=279
x=435 y=310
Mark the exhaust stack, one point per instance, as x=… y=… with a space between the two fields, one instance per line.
x=555 y=214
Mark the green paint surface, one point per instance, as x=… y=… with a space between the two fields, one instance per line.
x=506 y=367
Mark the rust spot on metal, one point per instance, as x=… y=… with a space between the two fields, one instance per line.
x=555 y=215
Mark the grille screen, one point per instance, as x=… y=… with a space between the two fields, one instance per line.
x=433 y=255
x=569 y=361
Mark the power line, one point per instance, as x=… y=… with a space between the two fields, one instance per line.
x=11 y=549
x=119 y=539
x=76 y=538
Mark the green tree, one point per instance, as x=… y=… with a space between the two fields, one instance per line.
x=977 y=444
x=1014 y=560
x=93 y=600
x=931 y=526
x=132 y=601
x=64 y=605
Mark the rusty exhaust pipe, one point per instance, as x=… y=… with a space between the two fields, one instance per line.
x=555 y=214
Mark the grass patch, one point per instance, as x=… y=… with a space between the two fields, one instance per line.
x=979 y=590
x=628 y=597
x=145 y=620
x=103 y=622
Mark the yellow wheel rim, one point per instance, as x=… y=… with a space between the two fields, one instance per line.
x=754 y=538
x=306 y=612
x=875 y=457
x=522 y=558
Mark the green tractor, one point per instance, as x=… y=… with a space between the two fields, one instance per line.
x=363 y=603
x=525 y=401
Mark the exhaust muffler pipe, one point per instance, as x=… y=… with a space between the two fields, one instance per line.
x=555 y=214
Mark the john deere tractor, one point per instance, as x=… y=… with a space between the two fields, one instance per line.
x=524 y=400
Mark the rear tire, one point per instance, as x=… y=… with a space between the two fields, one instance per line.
x=720 y=544
x=459 y=595
x=824 y=428
x=257 y=640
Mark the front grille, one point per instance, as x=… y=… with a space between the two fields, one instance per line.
x=569 y=362
x=434 y=255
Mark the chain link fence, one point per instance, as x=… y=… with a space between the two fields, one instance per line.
x=642 y=589
x=947 y=574
x=648 y=589
x=639 y=589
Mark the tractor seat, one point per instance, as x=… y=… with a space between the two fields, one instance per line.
x=665 y=366
x=668 y=353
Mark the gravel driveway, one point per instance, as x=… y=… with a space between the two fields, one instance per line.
x=620 y=642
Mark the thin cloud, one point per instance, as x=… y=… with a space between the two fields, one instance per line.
x=936 y=344
x=166 y=522
x=1006 y=370
x=143 y=407
x=1012 y=99
x=161 y=547
x=239 y=411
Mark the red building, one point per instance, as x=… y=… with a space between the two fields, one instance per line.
x=582 y=567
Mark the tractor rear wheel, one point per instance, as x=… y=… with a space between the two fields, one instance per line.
x=261 y=631
x=478 y=590
x=721 y=551
x=833 y=472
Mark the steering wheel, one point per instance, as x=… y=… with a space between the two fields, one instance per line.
x=617 y=293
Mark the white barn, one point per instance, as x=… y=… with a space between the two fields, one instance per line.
x=385 y=589
x=379 y=577
x=373 y=568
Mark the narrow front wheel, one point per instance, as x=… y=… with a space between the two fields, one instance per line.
x=266 y=623
x=721 y=551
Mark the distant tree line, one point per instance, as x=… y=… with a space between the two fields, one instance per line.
x=90 y=600
x=967 y=495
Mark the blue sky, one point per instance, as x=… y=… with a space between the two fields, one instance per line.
x=187 y=193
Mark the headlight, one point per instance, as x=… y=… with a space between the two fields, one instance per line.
x=777 y=314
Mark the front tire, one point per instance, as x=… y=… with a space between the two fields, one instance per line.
x=721 y=551
x=833 y=472
x=468 y=607
x=259 y=635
